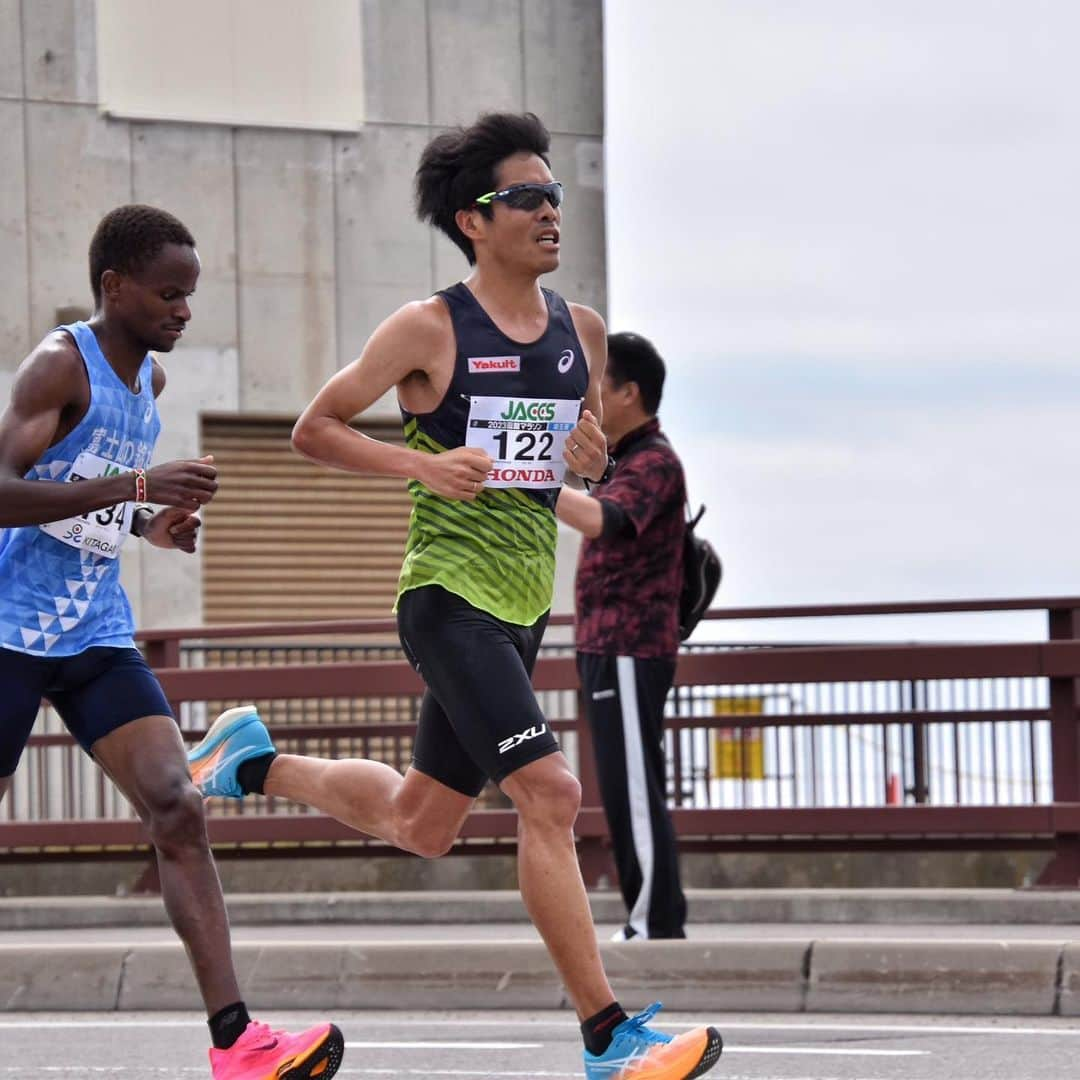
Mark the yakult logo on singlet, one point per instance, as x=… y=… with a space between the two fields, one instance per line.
x=487 y=365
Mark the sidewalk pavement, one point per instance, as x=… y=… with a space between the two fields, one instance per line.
x=996 y=952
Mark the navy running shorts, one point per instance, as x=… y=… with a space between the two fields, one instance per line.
x=95 y=692
x=479 y=719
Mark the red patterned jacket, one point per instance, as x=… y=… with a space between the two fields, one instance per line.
x=629 y=577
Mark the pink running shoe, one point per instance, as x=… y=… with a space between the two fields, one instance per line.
x=262 y=1054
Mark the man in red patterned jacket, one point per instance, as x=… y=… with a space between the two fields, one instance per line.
x=628 y=583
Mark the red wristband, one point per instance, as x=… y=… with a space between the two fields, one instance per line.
x=140 y=485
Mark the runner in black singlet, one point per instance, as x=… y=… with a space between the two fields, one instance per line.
x=498 y=382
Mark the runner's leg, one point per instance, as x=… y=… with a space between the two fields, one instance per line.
x=115 y=708
x=146 y=761
x=547 y=797
x=413 y=812
x=479 y=669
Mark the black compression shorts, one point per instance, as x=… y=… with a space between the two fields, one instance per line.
x=479 y=719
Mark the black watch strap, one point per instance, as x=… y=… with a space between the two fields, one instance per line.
x=140 y=518
x=608 y=473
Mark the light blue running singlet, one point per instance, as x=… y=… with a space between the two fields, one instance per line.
x=60 y=590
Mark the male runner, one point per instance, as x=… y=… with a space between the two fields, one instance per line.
x=83 y=408
x=498 y=382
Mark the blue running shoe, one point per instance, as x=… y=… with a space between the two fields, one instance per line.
x=236 y=736
x=639 y=1053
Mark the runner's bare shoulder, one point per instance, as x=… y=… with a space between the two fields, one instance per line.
x=590 y=328
x=52 y=376
x=586 y=318
x=419 y=336
x=157 y=376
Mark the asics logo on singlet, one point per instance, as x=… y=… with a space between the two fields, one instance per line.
x=523 y=736
x=566 y=361
x=486 y=365
x=528 y=410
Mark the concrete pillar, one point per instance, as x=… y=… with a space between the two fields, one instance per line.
x=285 y=246
x=14 y=297
x=564 y=64
x=11 y=70
x=476 y=61
x=78 y=168
x=187 y=169
x=396 y=83
x=579 y=164
x=383 y=252
x=60 y=46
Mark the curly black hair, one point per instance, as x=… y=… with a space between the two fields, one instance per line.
x=129 y=237
x=459 y=165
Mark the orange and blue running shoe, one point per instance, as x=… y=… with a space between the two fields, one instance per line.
x=236 y=736
x=637 y=1052
x=262 y=1054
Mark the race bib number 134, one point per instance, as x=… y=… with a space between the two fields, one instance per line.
x=524 y=437
x=100 y=532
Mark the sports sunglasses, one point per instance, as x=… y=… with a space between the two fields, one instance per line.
x=525 y=196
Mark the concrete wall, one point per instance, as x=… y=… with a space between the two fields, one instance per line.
x=307 y=238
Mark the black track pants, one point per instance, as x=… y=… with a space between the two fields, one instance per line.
x=624 y=701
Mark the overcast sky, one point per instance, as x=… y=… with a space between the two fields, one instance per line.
x=850 y=226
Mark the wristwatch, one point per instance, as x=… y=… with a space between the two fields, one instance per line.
x=140 y=518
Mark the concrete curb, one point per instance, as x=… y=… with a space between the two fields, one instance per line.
x=988 y=978
x=707 y=906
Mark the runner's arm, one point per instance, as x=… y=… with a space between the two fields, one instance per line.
x=590 y=458
x=593 y=336
x=580 y=511
x=408 y=343
x=43 y=389
x=47 y=384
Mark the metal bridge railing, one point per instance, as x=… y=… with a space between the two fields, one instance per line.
x=769 y=746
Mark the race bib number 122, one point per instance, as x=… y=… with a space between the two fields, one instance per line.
x=524 y=437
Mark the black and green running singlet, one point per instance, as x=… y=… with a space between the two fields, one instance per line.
x=519 y=403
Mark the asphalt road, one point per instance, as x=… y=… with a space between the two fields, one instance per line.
x=546 y=1046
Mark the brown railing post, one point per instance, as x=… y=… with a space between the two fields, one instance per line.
x=593 y=853
x=1063 y=870
x=920 y=784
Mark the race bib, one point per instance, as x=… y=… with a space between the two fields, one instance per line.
x=100 y=532
x=524 y=437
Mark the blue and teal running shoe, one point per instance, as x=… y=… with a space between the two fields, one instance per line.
x=236 y=736
x=639 y=1053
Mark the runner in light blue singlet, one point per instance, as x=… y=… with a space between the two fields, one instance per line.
x=62 y=591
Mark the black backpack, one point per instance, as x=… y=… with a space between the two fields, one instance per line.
x=702 y=571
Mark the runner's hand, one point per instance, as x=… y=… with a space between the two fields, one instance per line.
x=456 y=474
x=586 y=452
x=173 y=527
x=187 y=484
